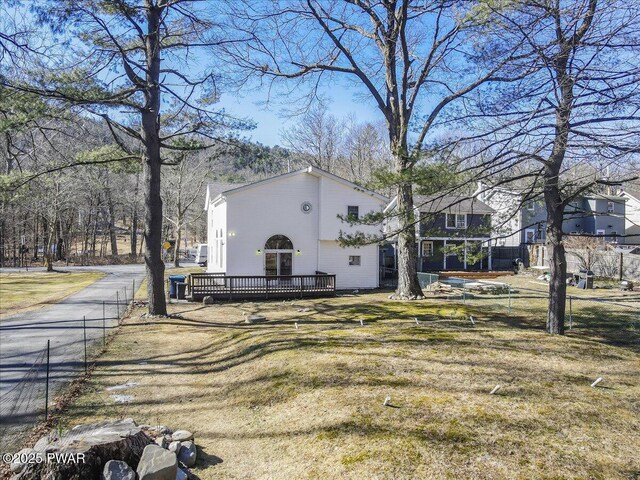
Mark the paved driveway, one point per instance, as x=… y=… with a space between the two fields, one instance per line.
x=23 y=337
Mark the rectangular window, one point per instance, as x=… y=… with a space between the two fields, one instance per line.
x=353 y=212
x=610 y=207
x=354 y=260
x=427 y=248
x=529 y=235
x=600 y=232
x=456 y=220
x=531 y=206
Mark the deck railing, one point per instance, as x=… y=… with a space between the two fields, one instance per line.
x=230 y=287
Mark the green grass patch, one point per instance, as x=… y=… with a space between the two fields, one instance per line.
x=20 y=292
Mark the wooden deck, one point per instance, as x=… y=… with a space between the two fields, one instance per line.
x=225 y=287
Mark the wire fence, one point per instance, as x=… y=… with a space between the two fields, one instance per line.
x=26 y=398
x=595 y=310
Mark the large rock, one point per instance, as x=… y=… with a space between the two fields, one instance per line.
x=25 y=454
x=182 y=475
x=181 y=436
x=118 y=470
x=187 y=454
x=157 y=464
x=174 y=447
x=91 y=445
x=208 y=300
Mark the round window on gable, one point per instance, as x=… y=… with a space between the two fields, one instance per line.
x=305 y=207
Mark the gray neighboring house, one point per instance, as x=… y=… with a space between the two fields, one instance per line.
x=517 y=222
x=452 y=221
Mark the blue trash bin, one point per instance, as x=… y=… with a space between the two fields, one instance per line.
x=173 y=280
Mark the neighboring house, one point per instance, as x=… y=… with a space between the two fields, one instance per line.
x=454 y=232
x=519 y=222
x=289 y=225
x=632 y=215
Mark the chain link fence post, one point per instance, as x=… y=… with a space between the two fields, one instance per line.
x=104 y=327
x=46 y=388
x=84 y=330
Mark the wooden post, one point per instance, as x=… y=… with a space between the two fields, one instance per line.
x=125 y=298
x=46 y=391
x=621 y=267
x=133 y=291
x=118 y=305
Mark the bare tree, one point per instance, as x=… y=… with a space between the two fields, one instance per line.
x=573 y=121
x=316 y=136
x=128 y=63
x=364 y=150
x=184 y=184
x=411 y=58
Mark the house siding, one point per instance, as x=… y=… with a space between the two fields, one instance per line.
x=274 y=207
x=335 y=259
x=478 y=225
x=217 y=220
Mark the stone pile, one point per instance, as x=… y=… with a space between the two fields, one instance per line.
x=118 y=450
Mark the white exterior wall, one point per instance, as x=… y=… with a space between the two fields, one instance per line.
x=250 y=216
x=257 y=213
x=216 y=221
x=335 y=197
x=506 y=221
x=632 y=219
x=335 y=259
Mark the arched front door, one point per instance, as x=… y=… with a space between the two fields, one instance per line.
x=278 y=256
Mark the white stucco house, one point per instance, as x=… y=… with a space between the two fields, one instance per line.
x=289 y=225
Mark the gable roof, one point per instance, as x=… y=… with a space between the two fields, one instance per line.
x=450 y=204
x=214 y=189
x=446 y=204
x=315 y=171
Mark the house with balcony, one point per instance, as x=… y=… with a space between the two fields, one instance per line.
x=523 y=221
x=453 y=232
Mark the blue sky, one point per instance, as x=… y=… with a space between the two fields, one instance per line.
x=341 y=101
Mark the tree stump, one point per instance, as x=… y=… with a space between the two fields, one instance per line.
x=98 y=442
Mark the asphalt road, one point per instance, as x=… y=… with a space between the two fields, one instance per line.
x=23 y=337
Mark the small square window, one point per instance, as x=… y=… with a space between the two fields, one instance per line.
x=611 y=207
x=353 y=212
x=354 y=260
x=427 y=248
x=531 y=206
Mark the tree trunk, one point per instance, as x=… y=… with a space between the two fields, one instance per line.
x=134 y=219
x=176 y=254
x=558 y=270
x=152 y=165
x=112 y=227
x=97 y=443
x=408 y=284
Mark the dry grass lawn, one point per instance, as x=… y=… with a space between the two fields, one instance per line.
x=20 y=292
x=273 y=401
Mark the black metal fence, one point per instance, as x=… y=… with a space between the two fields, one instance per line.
x=26 y=399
